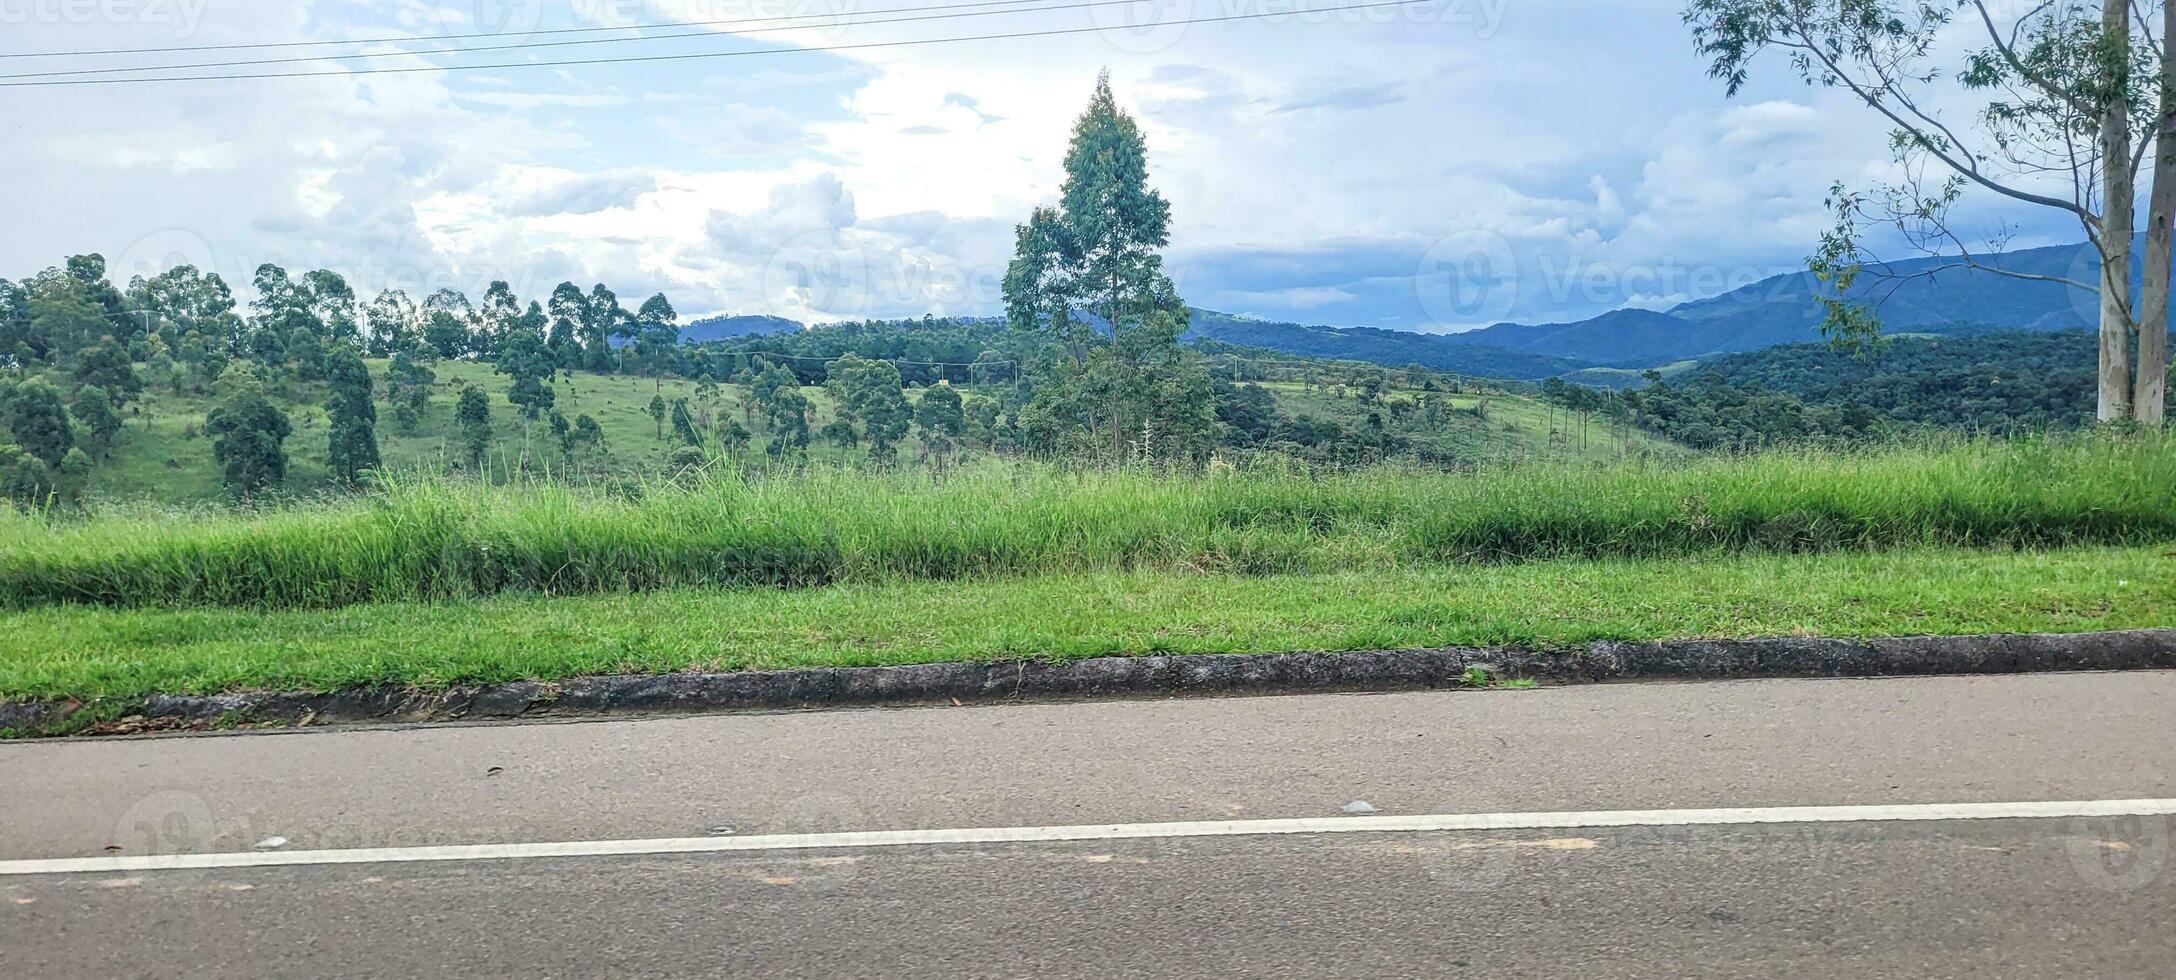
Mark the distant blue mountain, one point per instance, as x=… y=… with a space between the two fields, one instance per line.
x=1922 y=296
x=727 y=327
x=1396 y=348
x=1918 y=296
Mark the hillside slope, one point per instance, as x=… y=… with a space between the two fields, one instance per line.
x=1917 y=296
x=162 y=453
x=1997 y=382
x=1393 y=348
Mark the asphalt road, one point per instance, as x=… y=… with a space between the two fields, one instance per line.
x=2070 y=896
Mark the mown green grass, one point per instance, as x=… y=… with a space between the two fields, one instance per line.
x=438 y=540
x=76 y=652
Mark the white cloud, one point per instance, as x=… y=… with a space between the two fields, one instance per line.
x=1312 y=164
x=584 y=194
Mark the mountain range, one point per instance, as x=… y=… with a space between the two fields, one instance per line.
x=1931 y=295
x=1921 y=296
x=712 y=328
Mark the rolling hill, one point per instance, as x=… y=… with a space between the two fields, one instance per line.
x=1396 y=348
x=728 y=327
x=1923 y=296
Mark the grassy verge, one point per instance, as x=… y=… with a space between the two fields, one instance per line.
x=454 y=541
x=88 y=652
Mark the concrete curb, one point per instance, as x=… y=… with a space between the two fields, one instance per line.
x=1369 y=670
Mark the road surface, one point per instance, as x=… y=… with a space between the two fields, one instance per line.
x=1704 y=884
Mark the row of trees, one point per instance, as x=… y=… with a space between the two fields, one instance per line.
x=1998 y=382
x=188 y=317
x=1709 y=413
x=76 y=350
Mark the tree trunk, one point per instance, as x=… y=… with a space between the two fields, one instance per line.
x=2149 y=396
x=2117 y=200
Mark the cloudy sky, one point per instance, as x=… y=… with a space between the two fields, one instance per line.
x=1434 y=167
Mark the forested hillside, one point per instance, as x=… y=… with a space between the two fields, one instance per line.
x=1391 y=348
x=1997 y=382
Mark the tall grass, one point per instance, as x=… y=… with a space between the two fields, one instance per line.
x=433 y=539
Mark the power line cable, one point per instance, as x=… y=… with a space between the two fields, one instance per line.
x=685 y=35
x=916 y=42
x=479 y=35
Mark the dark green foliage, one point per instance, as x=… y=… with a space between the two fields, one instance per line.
x=1996 y=382
x=282 y=313
x=839 y=432
x=449 y=323
x=497 y=320
x=94 y=411
x=473 y=412
x=65 y=315
x=940 y=420
x=37 y=420
x=1248 y=412
x=447 y=335
x=1087 y=280
x=15 y=331
x=588 y=433
x=734 y=435
x=769 y=381
x=562 y=436
x=307 y=354
x=333 y=306
x=352 y=445
x=916 y=349
x=249 y=438
x=685 y=463
x=657 y=335
x=408 y=388
x=107 y=366
x=683 y=424
x=393 y=324
x=1711 y=414
x=73 y=477
x=24 y=479
x=524 y=357
x=567 y=313
x=869 y=397
x=602 y=321
x=788 y=411
x=657 y=414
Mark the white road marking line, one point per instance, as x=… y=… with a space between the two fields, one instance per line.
x=1569 y=820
